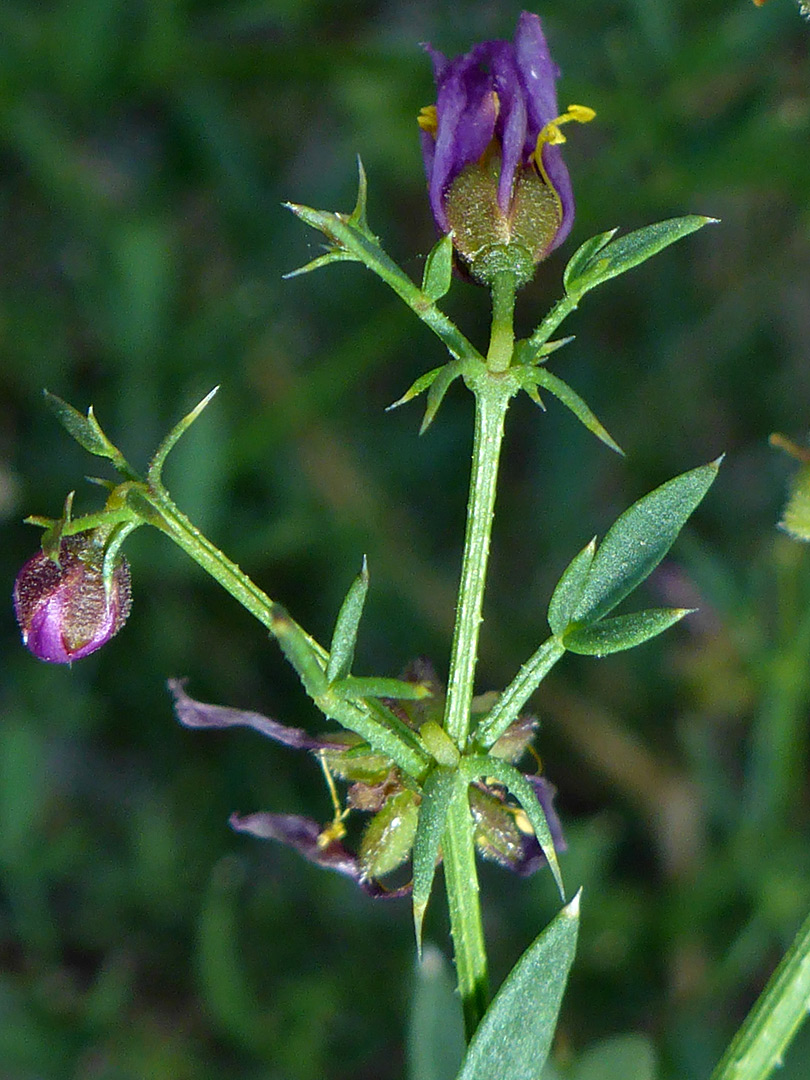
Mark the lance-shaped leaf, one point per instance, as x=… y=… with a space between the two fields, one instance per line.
x=639 y=540
x=569 y=589
x=440 y=787
x=530 y=377
x=438 y=274
x=344 y=638
x=513 y=1040
x=171 y=440
x=87 y=432
x=609 y=259
x=486 y=766
x=359 y=687
x=584 y=256
x=623 y=632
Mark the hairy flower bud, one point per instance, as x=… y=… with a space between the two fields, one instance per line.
x=63 y=608
x=491 y=146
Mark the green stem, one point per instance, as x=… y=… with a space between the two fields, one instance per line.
x=502 y=339
x=757 y=1048
x=491 y=401
x=461 y=880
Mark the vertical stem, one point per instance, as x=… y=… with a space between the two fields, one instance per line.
x=493 y=391
x=491 y=402
x=461 y=880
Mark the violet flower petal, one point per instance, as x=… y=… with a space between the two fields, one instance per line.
x=302 y=834
x=197 y=714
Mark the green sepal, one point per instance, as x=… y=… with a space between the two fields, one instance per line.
x=622 y=632
x=584 y=256
x=438 y=275
x=514 y=1038
x=159 y=460
x=111 y=551
x=360 y=687
x=87 y=432
x=438 y=790
x=298 y=649
x=55 y=530
x=569 y=588
x=486 y=766
x=609 y=258
x=639 y=540
x=388 y=838
x=439 y=744
x=531 y=377
x=344 y=638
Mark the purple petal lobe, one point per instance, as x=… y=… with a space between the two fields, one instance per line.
x=197 y=714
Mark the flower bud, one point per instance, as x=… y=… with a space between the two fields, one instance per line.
x=63 y=608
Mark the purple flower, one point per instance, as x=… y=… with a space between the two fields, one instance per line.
x=496 y=176
x=63 y=608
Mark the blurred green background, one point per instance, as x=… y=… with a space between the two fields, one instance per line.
x=145 y=148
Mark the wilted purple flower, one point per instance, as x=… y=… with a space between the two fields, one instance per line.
x=496 y=176
x=63 y=608
x=502 y=829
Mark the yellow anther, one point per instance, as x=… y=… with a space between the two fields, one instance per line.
x=551 y=133
x=428 y=119
x=337 y=830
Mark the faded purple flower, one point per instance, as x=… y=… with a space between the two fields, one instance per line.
x=496 y=176
x=63 y=608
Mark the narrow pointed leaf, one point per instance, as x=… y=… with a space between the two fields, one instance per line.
x=341 y=654
x=298 y=649
x=417 y=388
x=513 y=1040
x=358 y=216
x=584 y=256
x=436 y=1030
x=516 y=783
x=87 y=432
x=628 y=251
x=623 y=632
x=438 y=791
x=438 y=275
x=571 y=399
x=322 y=260
x=174 y=436
x=639 y=540
x=569 y=589
x=438 y=388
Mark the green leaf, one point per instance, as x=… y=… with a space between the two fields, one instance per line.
x=87 y=432
x=569 y=588
x=436 y=1029
x=417 y=388
x=437 y=793
x=159 y=460
x=639 y=540
x=608 y=260
x=624 y=632
x=358 y=687
x=299 y=650
x=584 y=255
x=571 y=399
x=341 y=653
x=438 y=275
x=438 y=388
x=621 y=1057
x=485 y=765
x=513 y=1040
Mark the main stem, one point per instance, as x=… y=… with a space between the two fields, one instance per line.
x=493 y=390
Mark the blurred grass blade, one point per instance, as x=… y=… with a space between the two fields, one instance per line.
x=621 y=1057
x=436 y=1030
x=758 y=1047
x=513 y=1040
